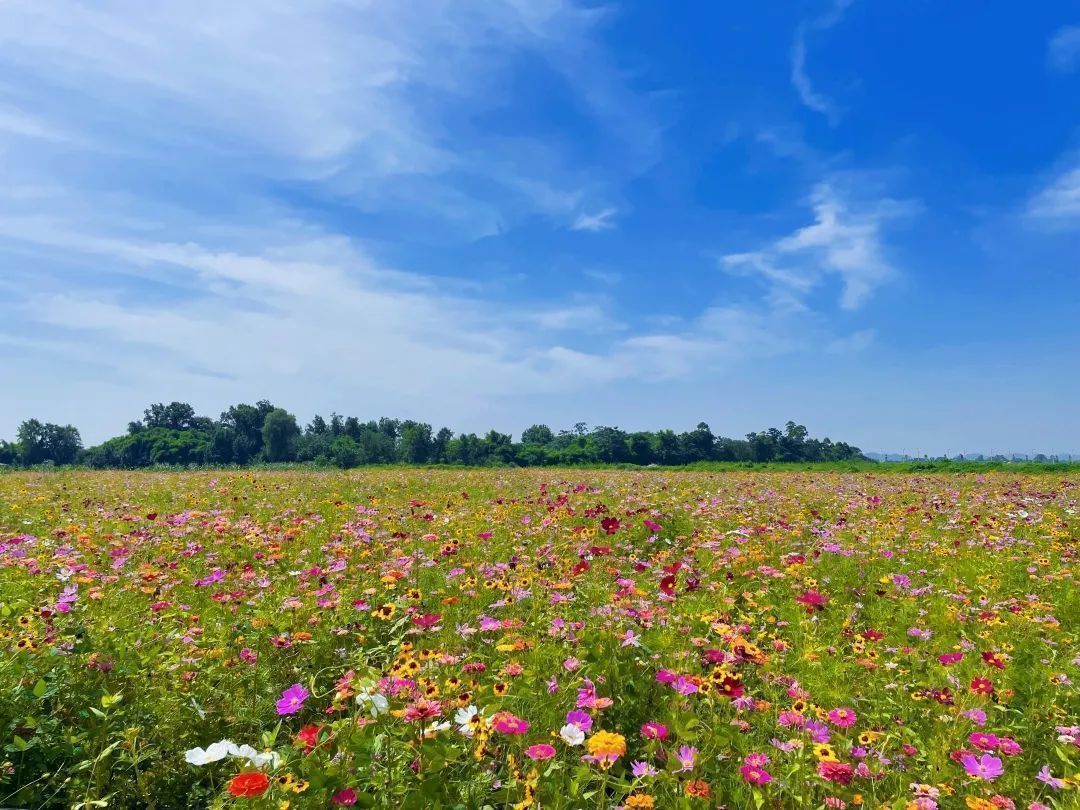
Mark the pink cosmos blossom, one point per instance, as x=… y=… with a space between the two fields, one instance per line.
x=292 y=699
x=985 y=767
x=755 y=776
x=580 y=719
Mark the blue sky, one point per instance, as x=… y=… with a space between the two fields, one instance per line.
x=864 y=216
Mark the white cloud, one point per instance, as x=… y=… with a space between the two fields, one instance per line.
x=844 y=240
x=813 y=99
x=1058 y=203
x=1064 y=49
x=600 y=221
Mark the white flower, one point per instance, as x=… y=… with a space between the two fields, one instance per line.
x=227 y=748
x=378 y=702
x=435 y=728
x=463 y=718
x=256 y=759
x=213 y=752
x=571 y=734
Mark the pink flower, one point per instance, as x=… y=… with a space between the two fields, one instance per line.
x=1009 y=747
x=755 y=776
x=654 y=731
x=842 y=718
x=985 y=767
x=540 y=752
x=983 y=741
x=292 y=699
x=507 y=723
x=345 y=798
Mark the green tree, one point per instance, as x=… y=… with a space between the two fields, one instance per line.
x=279 y=434
x=537 y=434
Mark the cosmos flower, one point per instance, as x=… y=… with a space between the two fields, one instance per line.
x=292 y=699
x=572 y=735
x=985 y=767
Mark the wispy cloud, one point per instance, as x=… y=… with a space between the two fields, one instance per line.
x=1064 y=49
x=845 y=240
x=1057 y=204
x=600 y=221
x=813 y=99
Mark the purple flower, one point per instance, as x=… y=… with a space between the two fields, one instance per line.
x=292 y=699
x=580 y=719
x=686 y=756
x=640 y=769
x=985 y=767
x=1046 y=778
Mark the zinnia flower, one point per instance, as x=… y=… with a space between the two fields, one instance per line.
x=507 y=723
x=540 y=752
x=842 y=718
x=605 y=747
x=249 y=784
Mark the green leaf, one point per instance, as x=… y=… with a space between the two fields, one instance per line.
x=39 y=688
x=19 y=743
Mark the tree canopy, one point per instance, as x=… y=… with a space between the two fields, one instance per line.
x=245 y=434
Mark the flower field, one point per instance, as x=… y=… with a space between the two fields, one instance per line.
x=539 y=638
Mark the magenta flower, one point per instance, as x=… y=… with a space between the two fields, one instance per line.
x=842 y=718
x=344 y=798
x=654 y=731
x=755 y=776
x=580 y=719
x=985 y=767
x=292 y=699
x=540 y=752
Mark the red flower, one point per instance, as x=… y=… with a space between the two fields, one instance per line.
x=609 y=525
x=993 y=660
x=982 y=686
x=249 y=784
x=667 y=584
x=308 y=737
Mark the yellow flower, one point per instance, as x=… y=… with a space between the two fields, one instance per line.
x=640 y=800
x=606 y=747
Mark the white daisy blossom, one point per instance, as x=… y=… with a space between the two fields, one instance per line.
x=463 y=718
x=571 y=734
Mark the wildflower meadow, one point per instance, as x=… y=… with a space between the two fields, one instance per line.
x=439 y=638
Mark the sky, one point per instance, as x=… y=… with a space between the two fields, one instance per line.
x=861 y=216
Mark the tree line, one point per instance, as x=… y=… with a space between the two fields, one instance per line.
x=249 y=434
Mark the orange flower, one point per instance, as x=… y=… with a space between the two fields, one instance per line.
x=698 y=788
x=249 y=784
